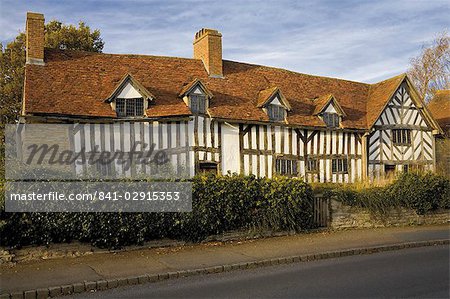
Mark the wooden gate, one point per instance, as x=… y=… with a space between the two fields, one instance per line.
x=321 y=210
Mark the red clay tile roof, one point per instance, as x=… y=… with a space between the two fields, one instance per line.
x=439 y=107
x=77 y=83
x=379 y=94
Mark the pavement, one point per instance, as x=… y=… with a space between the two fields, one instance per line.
x=107 y=270
x=417 y=272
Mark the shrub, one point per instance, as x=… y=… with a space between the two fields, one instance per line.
x=220 y=204
x=422 y=192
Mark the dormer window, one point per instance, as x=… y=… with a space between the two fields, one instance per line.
x=130 y=107
x=276 y=112
x=272 y=101
x=196 y=96
x=331 y=119
x=130 y=98
x=328 y=109
x=197 y=103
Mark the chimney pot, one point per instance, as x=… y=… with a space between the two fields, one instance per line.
x=35 y=38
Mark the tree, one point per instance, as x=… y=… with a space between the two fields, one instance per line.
x=12 y=61
x=60 y=36
x=430 y=71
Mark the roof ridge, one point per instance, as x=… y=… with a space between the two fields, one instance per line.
x=295 y=72
x=119 y=54
x=193 y=59
x=391 y=78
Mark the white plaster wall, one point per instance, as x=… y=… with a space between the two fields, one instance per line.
x=330 y=109
x=129 y=92
x=230 y=148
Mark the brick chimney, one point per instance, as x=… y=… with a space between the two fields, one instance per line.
x=35 y=38
x=208 y=48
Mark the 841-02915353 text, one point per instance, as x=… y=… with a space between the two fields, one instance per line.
x=98 y=195
x=82 y=196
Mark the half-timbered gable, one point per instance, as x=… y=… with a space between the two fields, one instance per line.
x=402 y=136
x=215 y=115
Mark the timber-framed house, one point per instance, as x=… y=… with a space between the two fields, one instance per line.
x=230 y=117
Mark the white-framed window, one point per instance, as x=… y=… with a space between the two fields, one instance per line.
x=331 y=119
x=130 y=107
x=401 y=136
x=339 y=165
x=286 y=167
x=197 y=103
x=276 y=112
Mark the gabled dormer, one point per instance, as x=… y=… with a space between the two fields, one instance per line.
x=273 y=102
x=196 y=96
x=130 y=98
x=329 y=110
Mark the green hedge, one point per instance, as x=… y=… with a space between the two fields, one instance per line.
x=422 y=192
x=220 y=204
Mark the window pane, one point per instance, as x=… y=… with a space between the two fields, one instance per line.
x=198 y=104
x=286 y=167
x=194 y=106
x=339 y=165
x=276 y=113
x=139 y=107
x=120 y=107
x=130 y=107
x=335 y=120
x=331 y=119
x=201 y=106
x=401 y=136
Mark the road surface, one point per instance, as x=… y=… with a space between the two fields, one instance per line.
x=420 y=272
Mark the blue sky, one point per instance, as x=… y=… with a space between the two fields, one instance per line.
x=357 y=40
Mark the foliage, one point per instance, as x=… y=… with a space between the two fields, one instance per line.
x=430 y=71
x=220 y=204
x=422 y=192
x=70 y=37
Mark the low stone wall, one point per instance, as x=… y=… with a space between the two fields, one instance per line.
x=343 y=217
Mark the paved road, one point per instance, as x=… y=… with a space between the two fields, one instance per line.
x=420 y=272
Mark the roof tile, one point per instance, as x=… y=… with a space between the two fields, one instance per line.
x=76 y=83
